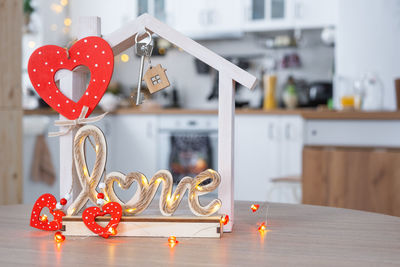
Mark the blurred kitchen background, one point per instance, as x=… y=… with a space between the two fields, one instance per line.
x=326 y=73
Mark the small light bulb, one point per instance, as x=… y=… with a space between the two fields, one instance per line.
x=58 y=237
x=254 y=207
x=112 y=231
x=262 y=227
x=225 y=219
x=43 y=218
x=124 y=58
x=31 y=44
x=67 y=22
x=172 y=241
x=64 y=2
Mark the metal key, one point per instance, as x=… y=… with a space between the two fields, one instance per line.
x=143 y=50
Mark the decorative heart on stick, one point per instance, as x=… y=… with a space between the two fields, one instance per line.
x=37 y=221
x=92 y=52
x=90 y=214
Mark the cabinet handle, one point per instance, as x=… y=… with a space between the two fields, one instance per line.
x=271 y=131
x=149 y=130
x=287 y=131
x=298 y=10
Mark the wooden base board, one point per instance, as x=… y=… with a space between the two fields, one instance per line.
x=157 y=226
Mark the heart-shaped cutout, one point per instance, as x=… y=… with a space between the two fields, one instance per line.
x=49 y=201
x=93 y=52
x=90 y=214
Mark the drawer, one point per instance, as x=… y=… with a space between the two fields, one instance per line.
x=188 y=122
x=363 y=133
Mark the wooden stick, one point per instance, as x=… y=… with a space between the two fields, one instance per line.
x=397 y=87
x=226 y=114
x=73 y=85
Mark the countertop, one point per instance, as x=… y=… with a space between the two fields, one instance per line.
x=307 y=113
x=298 y=235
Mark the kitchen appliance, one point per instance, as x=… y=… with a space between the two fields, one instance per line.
x=319 y=93
x=188 y=144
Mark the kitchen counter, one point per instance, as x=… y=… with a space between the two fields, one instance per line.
x=306 y=113
x=350 y=115
x=133 y=110
x=298 y=235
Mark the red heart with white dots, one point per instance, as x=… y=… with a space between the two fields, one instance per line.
x=90 y=214
x=49 y=201
x=92 y=52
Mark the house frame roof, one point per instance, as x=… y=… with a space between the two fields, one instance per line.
x=124 y=37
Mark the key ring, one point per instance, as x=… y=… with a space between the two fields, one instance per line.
x=146 y=32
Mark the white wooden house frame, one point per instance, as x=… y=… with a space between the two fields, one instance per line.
x=73 y=85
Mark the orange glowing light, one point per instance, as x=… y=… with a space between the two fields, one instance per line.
x=262 y=227
x=112 y=231
x=43 y=218
x=58 y=237
x=172 y=241
x=225 y=220
x=254 y=207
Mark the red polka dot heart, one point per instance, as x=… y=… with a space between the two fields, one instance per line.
x=92 y=52
x=37 y=221
x=90 y=214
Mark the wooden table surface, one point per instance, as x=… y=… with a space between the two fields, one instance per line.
x=299 y=235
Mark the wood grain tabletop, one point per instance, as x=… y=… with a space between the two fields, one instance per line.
x=298 y=235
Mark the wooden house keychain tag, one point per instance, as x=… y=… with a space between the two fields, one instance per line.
x=156 y=79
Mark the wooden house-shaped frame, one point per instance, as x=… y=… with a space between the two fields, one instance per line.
x=72 y=84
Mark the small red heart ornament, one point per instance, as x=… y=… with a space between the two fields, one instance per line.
x=92 y=52
x=90 y=214
x=49 y=201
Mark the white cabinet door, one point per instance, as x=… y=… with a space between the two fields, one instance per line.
x=205 y=19
x=292 y=145
x=261 y=15
x=113 y=14
x=315 y=13
x=134 y=144
x=256 y=155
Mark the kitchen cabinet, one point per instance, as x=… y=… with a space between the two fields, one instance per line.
x=291 y=145
x=266 y=147
x=256 y=156
x=264 y=15
x=207 y=18
x=113 y=14
x=261 y=15
x=134 y=144
x=156 y=8
x=314 y=13
x=354 y=178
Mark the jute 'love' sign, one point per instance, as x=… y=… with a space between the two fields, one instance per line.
x=92 y=52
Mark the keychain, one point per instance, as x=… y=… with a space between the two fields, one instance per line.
x=143 y=50
x=155 y=77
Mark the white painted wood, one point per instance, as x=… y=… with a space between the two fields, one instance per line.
x=226 y=130
x=268 y=22
x=133 y=133
x=152 y=227
x=257 y=155
x=314 y=13
x=123 y=38
x=206 y=19
x=362 y=133
x=292 y=145
x=73 y=85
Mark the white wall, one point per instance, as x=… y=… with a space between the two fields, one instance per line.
x=368 y=39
